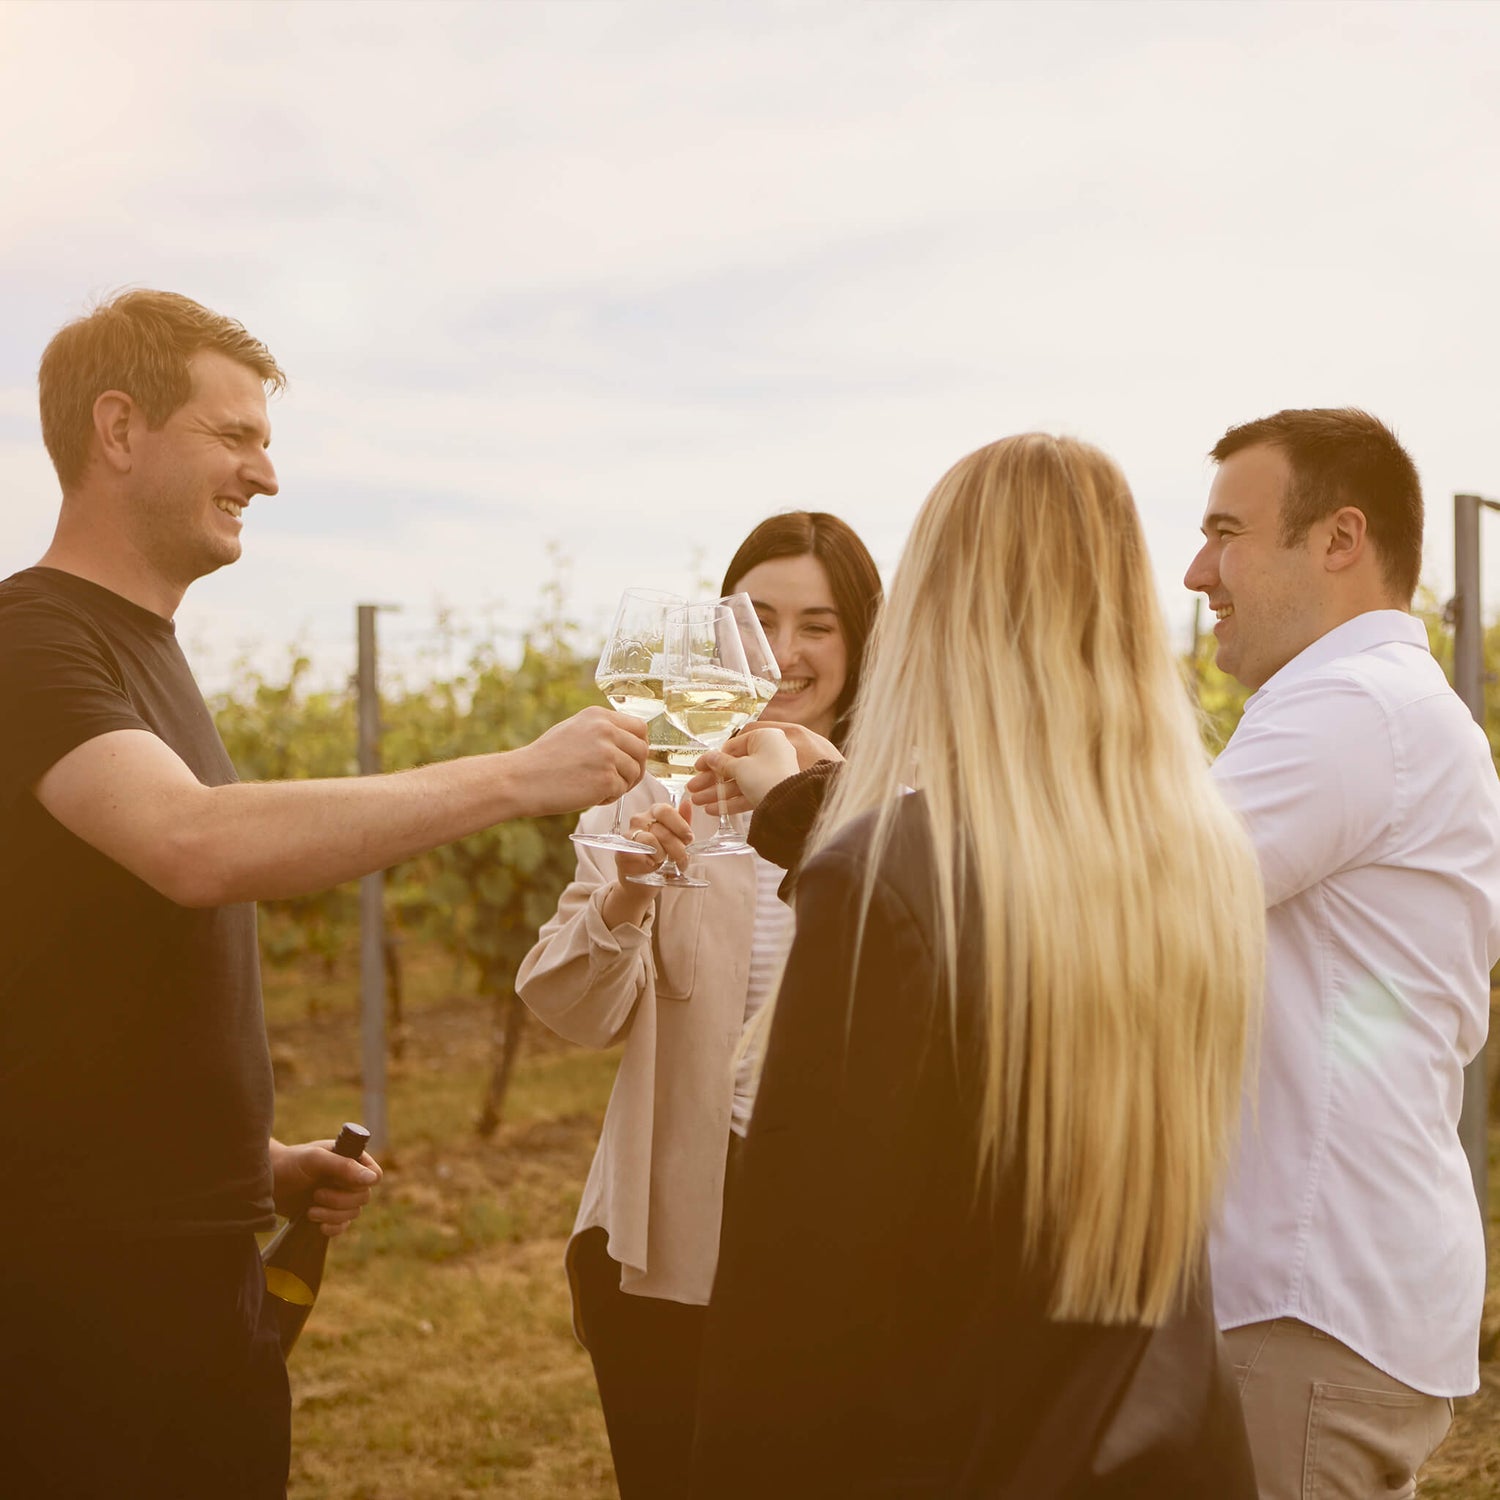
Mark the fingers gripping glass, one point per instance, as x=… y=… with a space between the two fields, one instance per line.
x=670 y=758
x=629 y=675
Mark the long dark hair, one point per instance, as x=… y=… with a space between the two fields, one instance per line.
x=852 y=575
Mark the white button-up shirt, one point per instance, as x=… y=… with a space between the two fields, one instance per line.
x=1373 y=804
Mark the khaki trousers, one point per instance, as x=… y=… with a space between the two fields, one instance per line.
x=1325 y=1424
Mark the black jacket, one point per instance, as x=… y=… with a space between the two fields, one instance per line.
x=873 y=1331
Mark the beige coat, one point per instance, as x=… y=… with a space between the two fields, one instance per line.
x=674 y=988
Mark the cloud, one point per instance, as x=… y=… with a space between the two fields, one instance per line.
x=629 y=276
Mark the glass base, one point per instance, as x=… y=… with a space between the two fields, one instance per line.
x=672 y=878
x=720 y=843
x=614 y=841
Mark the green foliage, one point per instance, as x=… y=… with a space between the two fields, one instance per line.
x=1221 y=700
x=1440 y=633
x=482 y=899
x=1440 y=639
x=278 y=731
x=487 y=895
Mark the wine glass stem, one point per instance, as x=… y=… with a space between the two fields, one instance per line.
x=725 y=826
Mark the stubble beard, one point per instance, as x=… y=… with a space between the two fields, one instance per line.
x=178 y=543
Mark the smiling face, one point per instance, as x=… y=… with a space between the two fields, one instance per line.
x=794 y=602
x=1270 y=599
x=192 y=477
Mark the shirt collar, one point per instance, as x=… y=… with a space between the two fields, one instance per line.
x=1375 y=627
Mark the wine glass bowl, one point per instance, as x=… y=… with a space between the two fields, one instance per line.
x=765 y=671
x=711 y=707
x=629 y=676
x=671 y=755
x=718 y=675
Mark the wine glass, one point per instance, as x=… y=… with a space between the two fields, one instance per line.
x=765 y=674
x=759 y=656
x=629 y=675
x=708 y=686
x=670 y=758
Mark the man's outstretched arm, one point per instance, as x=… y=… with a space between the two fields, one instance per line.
x=130 y=796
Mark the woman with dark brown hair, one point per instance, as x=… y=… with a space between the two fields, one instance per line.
x=680 y=981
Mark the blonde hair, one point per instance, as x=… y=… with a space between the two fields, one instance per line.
x=1022 y=681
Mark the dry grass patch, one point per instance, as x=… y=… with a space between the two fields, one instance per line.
x=439 y=1363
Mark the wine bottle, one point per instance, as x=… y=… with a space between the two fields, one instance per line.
x=294 y=1255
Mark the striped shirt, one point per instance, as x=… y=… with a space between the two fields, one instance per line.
x=769 y=942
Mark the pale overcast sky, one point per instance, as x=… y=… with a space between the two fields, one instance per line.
x=627 y=277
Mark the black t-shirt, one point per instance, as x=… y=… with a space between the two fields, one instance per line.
x=135 y=1080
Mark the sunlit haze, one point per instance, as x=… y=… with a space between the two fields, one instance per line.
x=623 y=279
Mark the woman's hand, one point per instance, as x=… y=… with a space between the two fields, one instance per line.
x=663 y=833
x=752 y=763
x=811 y=748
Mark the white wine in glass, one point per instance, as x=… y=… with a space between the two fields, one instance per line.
x=671 y=758
x=710 y=691
x=636 y=694
x=711 y=710
x=629 y=675
x=765 y=679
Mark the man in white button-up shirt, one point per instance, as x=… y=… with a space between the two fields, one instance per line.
x=1349 y=1261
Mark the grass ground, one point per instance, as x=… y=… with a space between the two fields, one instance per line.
x=439 y=1363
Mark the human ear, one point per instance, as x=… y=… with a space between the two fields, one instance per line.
x=113 y=411
x=1347 y=532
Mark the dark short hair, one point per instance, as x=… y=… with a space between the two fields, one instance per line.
x=138 y=342
x=852 y=576
x=1342 y=456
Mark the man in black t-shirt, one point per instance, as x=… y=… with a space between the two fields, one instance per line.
x=135 y=1085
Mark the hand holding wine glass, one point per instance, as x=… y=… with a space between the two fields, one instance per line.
x=670 y=759
x=741 y=774
x=662 y=834
x=718 y=773
x=584 y=761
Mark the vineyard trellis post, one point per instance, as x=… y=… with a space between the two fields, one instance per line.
x=1467 y=615
x=372 y=977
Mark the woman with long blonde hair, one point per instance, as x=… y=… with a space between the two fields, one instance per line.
x=965 y=1254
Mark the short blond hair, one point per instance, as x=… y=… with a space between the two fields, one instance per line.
x=138 y=342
